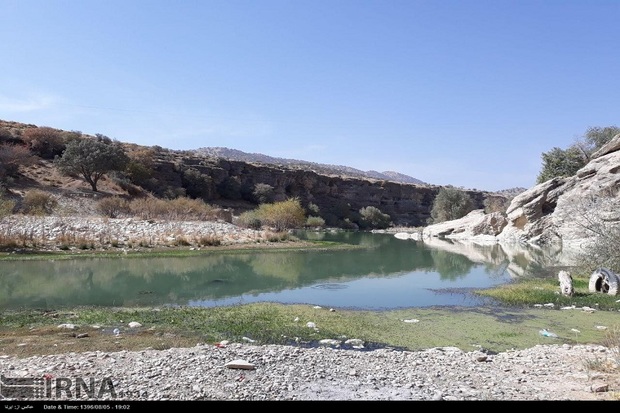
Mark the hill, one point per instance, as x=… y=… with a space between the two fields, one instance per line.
x=325 y=169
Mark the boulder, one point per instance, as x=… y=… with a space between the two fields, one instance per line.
x=566 y=283
x=564 y=210
x=475 y=225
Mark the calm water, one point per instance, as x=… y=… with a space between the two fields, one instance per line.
x=387 y=273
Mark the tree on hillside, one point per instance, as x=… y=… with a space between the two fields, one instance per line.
x=450 y=203
x=594 y=139
x=560 y=163
x=566 y=162
x=92 y=158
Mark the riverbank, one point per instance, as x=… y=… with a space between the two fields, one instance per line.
x=326 y=343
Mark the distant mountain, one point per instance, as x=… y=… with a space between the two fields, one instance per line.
x=324 y=169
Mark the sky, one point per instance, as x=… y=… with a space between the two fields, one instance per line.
x=464 y=93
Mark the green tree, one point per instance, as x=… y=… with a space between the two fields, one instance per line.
x=372 y=217
x=264 y=193
x=594 y=139
x=560 y=163
x=566 y=162
x=91 y=159
x=449 y=204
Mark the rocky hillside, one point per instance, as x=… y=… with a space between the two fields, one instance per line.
x=338 y=193
x=567 y=213
x=323 y=169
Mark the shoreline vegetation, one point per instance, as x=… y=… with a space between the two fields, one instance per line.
x=513 y=319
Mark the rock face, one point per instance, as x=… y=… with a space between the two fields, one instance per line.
x=562 y=212
x=337 y=197
x=476 y=225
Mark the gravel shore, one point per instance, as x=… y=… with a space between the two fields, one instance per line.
x=273 y=372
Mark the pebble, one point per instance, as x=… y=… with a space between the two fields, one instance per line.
x=47 y=230
x=241 y=371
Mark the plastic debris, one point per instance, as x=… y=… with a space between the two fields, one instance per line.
x=544 y=332
x=413 y=320
x=310 y=324
x=601 y=328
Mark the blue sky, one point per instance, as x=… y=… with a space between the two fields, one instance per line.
x=463 y=93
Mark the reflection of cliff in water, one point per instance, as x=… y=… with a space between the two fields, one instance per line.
x=518 y=260
x=212 y=276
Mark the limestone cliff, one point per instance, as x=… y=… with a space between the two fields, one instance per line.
x=563 y=212
x=336 y=196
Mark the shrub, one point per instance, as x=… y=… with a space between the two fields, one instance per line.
x=313 y=222
x=185 y=208
x=496 y=204
x=600 y=217
x=249 y=219
x=12 y=157
x=282 y=215
x=113 y=207
x=38 y=202
x=372 y=217
x=449 y=204
x=45 y=142
x=7 y=205
x=263 y=193
x=148 y=208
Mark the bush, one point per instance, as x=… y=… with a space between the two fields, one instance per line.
x=37 y=202
x=313 y=222
x=12 y=157
x=496 y=204
x=601 y=218
x=282 y=215
x=113 y=207
x=249 y=219
x=449 y=204
x=148 y=208
x=184 y=208
x=263 y=193
x=45 y=142
x=7 y=205
x=372 y=217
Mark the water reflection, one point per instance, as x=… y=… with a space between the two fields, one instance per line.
x=386 y=273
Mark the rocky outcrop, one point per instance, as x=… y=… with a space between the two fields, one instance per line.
x=338 y=197
x=563 y=212
x=566 y=210
x=475 y=225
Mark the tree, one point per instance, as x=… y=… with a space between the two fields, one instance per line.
x=594 y=139
x=372 y=217
x=566 y=162
x=561 y=163
x=92 y=158
x=450 y=204
x=264 y=193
